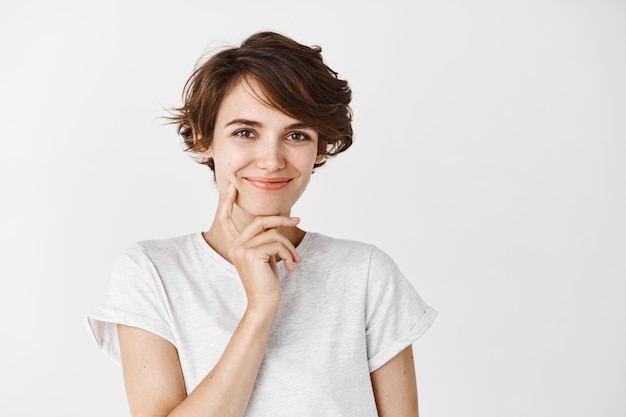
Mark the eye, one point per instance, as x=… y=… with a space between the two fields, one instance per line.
x=244 y=133
x=298 y=137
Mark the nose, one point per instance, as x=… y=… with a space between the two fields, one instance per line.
x=271 y=155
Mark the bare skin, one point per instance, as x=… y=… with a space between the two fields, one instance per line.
x=395 y=387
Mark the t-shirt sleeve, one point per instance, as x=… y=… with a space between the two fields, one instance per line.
x=396 y=315
x=135 y=297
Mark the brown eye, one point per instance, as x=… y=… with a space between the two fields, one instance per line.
x=244 y=133
x=298 y=136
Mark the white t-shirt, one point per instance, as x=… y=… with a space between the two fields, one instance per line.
x=345 y=310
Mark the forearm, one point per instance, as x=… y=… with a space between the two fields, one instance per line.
x=226 y=390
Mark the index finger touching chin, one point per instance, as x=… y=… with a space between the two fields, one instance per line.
x=227 y=201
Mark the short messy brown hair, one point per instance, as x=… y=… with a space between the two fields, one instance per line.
x=294 y=79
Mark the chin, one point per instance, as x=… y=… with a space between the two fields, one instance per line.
x=260 y=208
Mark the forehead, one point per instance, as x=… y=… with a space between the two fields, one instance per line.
x=246 y=90
x=246 y=100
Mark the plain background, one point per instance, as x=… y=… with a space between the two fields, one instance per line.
x=488 y=161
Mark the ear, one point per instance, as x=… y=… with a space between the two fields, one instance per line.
x=208 y=153
x=323 y=145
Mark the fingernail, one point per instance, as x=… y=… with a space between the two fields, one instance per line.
x=297 y=219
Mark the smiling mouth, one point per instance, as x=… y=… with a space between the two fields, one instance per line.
x=268 y=184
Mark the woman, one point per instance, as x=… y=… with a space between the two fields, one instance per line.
x=255 y=316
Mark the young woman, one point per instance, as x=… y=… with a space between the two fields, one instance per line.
x=255 y=316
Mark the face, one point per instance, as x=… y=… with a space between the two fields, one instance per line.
x=266 y=154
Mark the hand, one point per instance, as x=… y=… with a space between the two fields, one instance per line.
x=254 y=251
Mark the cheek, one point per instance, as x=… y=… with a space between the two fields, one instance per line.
x=226 y=160
x=227 y=167
x=223 y=173
x=304 y=160
x=310 y=162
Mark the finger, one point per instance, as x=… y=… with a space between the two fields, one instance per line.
x=270 y=251
x=225 y=209
x=273 y=236
x=289 y=264
x=287 y=257
x=227 y=202
x=262 y=223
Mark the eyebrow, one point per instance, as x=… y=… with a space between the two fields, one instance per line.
x=247 y=122
x=242 y=122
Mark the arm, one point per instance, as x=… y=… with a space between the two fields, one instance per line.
x=395 y=388
x=152 y=373
x=154 y=380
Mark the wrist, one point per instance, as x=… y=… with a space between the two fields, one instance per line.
x=262 y=311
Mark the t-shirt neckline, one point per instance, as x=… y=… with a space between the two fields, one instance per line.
x=208 y=249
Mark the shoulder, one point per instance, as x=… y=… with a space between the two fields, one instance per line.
x=157 y=262
x=331 y=246
x=158 y=249
x=347 y=251
x=169 y=244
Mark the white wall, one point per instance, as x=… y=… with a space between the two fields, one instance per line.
x=489 y=161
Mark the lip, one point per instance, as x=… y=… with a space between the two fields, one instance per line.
x=268 y=184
